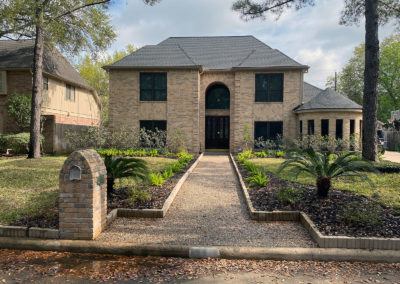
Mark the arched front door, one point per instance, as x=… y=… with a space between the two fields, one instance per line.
x=217 y=125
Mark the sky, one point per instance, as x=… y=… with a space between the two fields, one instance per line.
x=311 y=36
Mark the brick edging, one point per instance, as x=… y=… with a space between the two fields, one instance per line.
x=29 y=232
x=322 y=240
x=153 y=213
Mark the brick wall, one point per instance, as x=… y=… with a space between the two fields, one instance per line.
x=83 y=200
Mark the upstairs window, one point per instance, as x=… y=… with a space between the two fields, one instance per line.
x=217 y=97
x=267 y=130
x=45 y=83
x=153 y=86
x=269 y=88
x=70 y=93
x=3 y=82
x=310 y=127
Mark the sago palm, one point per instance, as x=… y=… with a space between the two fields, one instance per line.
x=124 y=167
x=323 y=170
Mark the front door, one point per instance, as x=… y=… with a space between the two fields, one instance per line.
x=217 y=132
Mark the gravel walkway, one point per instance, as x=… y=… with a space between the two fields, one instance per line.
x=208 y=210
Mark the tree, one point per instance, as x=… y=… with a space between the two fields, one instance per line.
x=19 y=107
x=71 y=25
x=351 y=78
x=375 y=12
x=319 y=166
x=92 y=71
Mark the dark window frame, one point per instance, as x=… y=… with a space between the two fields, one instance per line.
x=324 y=127
x=310 y=127
x=268 y=130
x=301 y=128
x=70 y=92
x=267 y=97
x=45 y=83
x=209 y=100
x=339 y=129
x=153 y=122
x=153 y=89
x=352 y=127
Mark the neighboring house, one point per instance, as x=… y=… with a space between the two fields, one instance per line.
x=211 y=88
x=68 y=102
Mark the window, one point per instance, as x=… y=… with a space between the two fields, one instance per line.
x=45 y=83
x=339 y=128
x=217 y=97
x=310 y=127
x=352 y=125
x=269 y=88
x=301 y=128
x=324 y=127
x=152 y=125
x=70 y=93
x=267 y=130
x=153 y=86
x=3 y=82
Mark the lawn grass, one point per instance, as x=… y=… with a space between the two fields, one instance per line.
x=386 y=190
x=30 y=186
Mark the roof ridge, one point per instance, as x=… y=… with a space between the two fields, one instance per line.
x=289 y=57
x=184 y=52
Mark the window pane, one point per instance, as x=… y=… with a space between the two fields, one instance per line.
x=260 y=130
x=146 y=81
x=160 y=95
x=261 y=87
x=160 y=81
x=146 y=95
x=310 y=124
x=218 y=98
x=160 y=124
x=276 y=87
x=352 y=125
x=339 y=128
x=275 y=129
x=324 y=127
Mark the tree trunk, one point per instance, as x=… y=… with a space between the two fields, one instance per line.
x=323 y=186
x=370 y=102
x=34 y=141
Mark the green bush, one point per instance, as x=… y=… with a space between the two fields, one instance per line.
x=19 y=108
x=280 y=154
x=359 y=213
x=18 y=142
x=176 y=142
x=251 y=168
x=177 y=167
x=259 y=179
x=168 y=173
x=387 y=167
x=156 y=179
x=184 y=157
x=271 y=153
x=153 y=153
x=138 y=195
x=261 y=154
x=288 y=195
x=245 y=156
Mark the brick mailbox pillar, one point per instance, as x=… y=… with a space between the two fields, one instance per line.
x=83 y=196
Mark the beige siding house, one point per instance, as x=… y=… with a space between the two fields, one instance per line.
x=213 y=88
x=68 y=101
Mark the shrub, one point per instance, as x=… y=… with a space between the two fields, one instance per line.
x=177 y=167
x=168 y=173
x=245 y=155
x=261 y=154
x=259 y=179
x=19 y=108
x=153 y=153
x=156 y=179
x=280 y=154
x=387 y=167
x=271 y=153
x=288 y=195
x=18 y=142
x=359 y=213
x=176 y=142
x=184 y=157
x=152 y=139
x=251 y=168
x=138 y=195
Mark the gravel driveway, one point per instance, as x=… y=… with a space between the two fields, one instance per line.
x=208 y=210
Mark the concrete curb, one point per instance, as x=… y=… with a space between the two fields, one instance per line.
x=29 y=232
x=322 y=240
x=320 y=254
x=153 y=213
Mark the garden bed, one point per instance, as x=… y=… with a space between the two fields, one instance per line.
x=159 y=194
x=330 y=215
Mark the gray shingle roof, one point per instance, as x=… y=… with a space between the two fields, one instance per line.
x=212 y=53
x=19 y=55
x=328 y=99
x=310 y=91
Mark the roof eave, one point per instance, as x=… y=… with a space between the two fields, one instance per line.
x=269 y=68
x=326 y=110
x=109 y=67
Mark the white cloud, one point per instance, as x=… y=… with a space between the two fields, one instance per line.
x=311 y=35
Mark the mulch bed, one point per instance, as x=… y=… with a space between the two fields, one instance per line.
x=43 y=220
x=327 y=214
x=158 y=194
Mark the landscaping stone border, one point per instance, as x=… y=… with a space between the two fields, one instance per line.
x=88 y=246
x=322 y=240
x=29 y=232
x=153 y=213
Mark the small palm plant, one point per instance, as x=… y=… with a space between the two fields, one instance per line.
x=124 y=167
x=319 y=166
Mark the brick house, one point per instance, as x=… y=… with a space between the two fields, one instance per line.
x=68 y=101
x=213 y=88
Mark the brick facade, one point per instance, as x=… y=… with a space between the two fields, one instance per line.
x=83 y=196
x=185 y=110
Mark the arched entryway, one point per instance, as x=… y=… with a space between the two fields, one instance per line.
x=217 y=116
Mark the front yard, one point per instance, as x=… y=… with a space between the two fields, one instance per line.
x=386 y=191
x=29 y=187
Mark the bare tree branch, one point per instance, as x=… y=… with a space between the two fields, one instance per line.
x=78 y=8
